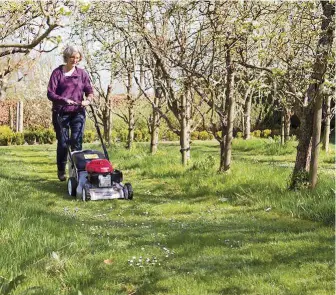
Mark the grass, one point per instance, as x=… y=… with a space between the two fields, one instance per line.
x=187 y=231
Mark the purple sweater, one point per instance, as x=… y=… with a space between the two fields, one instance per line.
x=72 y=87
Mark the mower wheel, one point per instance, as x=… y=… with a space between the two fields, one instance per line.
x=85 y=195
x=72 y=186
x=128 y=191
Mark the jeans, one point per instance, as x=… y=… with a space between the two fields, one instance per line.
x=73 y=122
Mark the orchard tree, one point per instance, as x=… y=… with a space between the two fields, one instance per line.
x=25 y=33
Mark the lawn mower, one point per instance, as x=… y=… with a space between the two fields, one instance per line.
x=91 y=174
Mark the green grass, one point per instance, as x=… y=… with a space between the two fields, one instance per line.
x=203 y=232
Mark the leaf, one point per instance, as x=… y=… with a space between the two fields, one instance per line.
x=108 y=261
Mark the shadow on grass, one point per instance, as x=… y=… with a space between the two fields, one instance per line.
x=249 y=244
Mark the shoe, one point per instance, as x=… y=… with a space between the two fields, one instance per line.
x=61 y=175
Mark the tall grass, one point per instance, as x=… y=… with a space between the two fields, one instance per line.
x=188 y=230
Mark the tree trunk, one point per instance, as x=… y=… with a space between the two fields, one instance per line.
x=155 y=127
x=131 y=115
x=222 y=151
x=315 y=141
x=109 y=105
x=19 y=116
x=185 y=128
x=11 y=117
x=222 y=154
x=131 y=123
x=231 y=112
x=287 y=123
x=283 y=127
x=247 y=115
x=326 y=135
x=303 y=155
x=155 y=124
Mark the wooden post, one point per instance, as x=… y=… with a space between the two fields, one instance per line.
x=19 y=116
x=11 y=118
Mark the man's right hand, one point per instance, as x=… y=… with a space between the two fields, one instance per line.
x=70 y=101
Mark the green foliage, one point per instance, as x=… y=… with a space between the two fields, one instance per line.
x=44 y=136
x=29 y=136
x=141 y=135
x=300 y=180
x=49 y=136
x=266 y=133
x=239 y=134
x=89 y=136
x=6 y=135
x=256 y=133
x=18 y=138
x=123 y=135
x=138 y=135
x=204 y=164
x=274 y=147
x=85 y=7
x=171 y=136
x=114 y=135
x=39 y=135
x=194 y=135
x=203 y=135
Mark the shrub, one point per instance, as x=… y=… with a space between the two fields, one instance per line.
x=49 y=136
x=123 y=134
x=256 y=133
x=203 y=135
x=18 y=138
x=114 y=136
x=171 y=136
x=6 y=135
x=30 y=137
x=39 y=134
x=194 y=135
x=145 y=134
x=89 y=136
x=138 y=135
x=276 y=132
x=239 y=134
x=45 y=136
x=266 y=133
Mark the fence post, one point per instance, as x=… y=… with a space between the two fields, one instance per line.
x=19 y=116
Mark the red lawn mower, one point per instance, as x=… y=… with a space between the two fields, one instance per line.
x=91 y=174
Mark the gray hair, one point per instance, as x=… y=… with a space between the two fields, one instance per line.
x=69 y=51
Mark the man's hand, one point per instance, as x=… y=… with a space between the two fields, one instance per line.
x=70 y=101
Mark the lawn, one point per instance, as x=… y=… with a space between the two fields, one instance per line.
x=187 y=231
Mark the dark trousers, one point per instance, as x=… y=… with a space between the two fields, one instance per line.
x=73 y=123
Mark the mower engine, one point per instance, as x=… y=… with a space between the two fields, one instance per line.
x=103 y=182
x=99 y=173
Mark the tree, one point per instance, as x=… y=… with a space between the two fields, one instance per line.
x=25 y=33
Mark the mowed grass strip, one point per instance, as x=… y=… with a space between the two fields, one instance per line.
x=187 y=231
